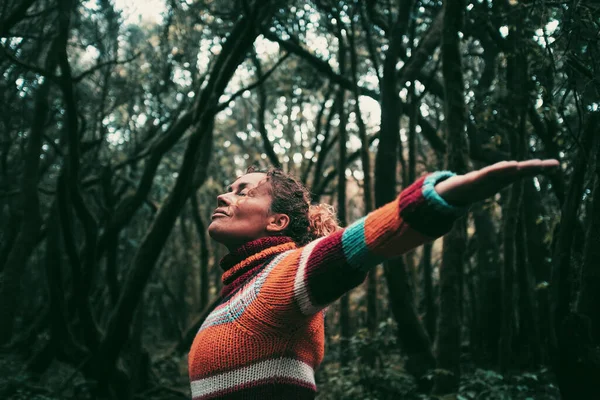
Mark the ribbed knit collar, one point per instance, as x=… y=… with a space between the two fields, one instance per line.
x=240 y=264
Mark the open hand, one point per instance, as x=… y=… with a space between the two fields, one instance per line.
x=462 y=190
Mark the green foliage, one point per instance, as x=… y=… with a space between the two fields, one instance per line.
x=18 y=386
x=374 y=372
x=385 y=378
x=488 y=384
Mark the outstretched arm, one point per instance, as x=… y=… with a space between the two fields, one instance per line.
x=486 y=182
x=308 y=279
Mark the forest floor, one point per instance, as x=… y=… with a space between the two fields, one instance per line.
x=62 y=382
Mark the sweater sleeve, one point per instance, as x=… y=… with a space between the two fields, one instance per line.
x=308 y=279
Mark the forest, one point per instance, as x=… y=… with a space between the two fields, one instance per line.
x=117 y=134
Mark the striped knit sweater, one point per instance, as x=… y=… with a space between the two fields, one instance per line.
x=266 y=338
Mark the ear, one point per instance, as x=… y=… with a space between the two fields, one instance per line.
x=277 y=223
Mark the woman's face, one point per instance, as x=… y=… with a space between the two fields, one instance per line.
x=243 y=212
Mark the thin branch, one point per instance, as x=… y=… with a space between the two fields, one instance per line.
x=104 y=64
x=18 y=14
x=29 y=67
x=258 y=82
x=320 y=65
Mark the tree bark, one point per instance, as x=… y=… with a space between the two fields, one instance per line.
x=345 y=321
x=451 y=270
x=428 y=292
x=61 y=343
x=517 y=99
x=26 y=240
x=90 y=329
x=326 y=145
x=528 y=339
x=412 y=337
x=204 y=253
x=198 y=149
x=487 y=331
x=539 y=256
x=562 y=270
x=589 y=297
x=318 y=128
x=262 y=109
x=575 y=358
x=365 y=158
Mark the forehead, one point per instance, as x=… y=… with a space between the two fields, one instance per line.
x=250 y=180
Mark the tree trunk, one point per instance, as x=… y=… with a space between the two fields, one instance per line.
x=75 y=196
x=204 y=253
x=9 y=233
x=561 y=273
x=61 y=343
x=589 y=297
x=197 y=152
x=412 y=337
x=139 y=366
x=528 y=338
x=428 y=293
x=449 y=324
x=365 y=158
x=508 y=321
x=345 y=322
x=318 y=131
x=539 y=256
x=317 y=188
x=487 y=334
x=262 y=109
x=575 y=357
x=16 y=261
x=451 y=270
x=517 y=84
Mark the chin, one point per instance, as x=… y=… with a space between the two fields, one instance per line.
x=219 y=232
x=213 y=231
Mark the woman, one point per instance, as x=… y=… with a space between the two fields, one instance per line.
x=289 y=260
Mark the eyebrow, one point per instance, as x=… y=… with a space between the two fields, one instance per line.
x=239 y=187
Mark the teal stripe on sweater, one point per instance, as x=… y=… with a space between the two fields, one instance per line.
x=354 y=243
x=433 y=198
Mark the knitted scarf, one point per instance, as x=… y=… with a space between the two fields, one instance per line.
x=244 y=262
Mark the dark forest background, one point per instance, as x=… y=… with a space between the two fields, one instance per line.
x=116 y=138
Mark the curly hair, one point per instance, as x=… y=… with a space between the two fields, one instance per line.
x=289 y=196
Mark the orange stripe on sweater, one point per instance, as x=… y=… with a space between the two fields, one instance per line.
x=387 y=235
x=243 y=264
x=278 y=290
x=380 y=225
x=206 y=357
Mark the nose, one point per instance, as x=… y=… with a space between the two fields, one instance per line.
x=223 y=200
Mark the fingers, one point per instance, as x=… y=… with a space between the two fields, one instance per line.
x=503 y=170
x=507 y=169
x=534 y=167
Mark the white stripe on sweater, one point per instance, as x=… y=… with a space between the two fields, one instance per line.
x=300 y=289
x=237 y=304
x=279 y=368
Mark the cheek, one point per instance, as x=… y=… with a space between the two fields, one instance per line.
x=249 y=209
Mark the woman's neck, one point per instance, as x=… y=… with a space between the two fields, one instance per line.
x=244 y=262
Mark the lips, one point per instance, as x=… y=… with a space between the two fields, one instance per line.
x=219 y=213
